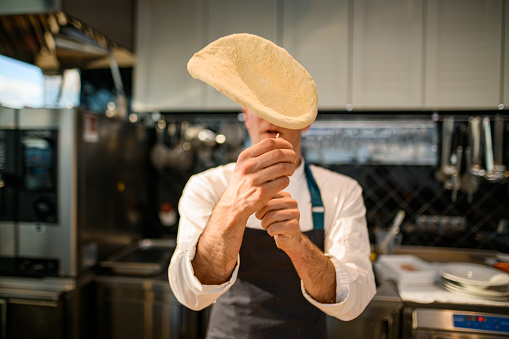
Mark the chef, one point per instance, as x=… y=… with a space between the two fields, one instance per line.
x=273 y=242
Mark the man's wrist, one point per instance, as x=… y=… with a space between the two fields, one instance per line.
x=230 y=212
x=298 y=252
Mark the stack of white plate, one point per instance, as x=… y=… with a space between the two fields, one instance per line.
x=475 y=280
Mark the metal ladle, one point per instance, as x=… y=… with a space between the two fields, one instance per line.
x=476 y=169
x=445 y=171
x=499 y=169
x=470 y=179
x=491 y=174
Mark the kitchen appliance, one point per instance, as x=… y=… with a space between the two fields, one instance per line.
x=71 y=194
x=441 y=323
x=72 y=183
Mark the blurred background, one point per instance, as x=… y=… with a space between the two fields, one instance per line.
x=101 y=126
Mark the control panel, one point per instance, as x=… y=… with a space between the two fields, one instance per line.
x=430 y=320
x=498 y=324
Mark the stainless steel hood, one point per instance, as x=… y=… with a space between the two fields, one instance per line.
x=62 y=34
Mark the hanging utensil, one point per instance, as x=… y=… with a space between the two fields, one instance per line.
x=160 y=152
x=473 y=169
x=181 y=156
x=456 y=182
x=475 y=130
x=453 y=182
x=499 y=169
x=488 y=149
x=445 y=171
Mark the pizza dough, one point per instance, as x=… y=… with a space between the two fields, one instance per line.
x=259 y=75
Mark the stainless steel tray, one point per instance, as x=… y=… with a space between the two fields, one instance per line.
x=145 y=257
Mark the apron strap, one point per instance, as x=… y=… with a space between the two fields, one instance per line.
x=317 y=207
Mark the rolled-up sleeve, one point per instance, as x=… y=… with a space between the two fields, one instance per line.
x=198 y=200
x=187 y=288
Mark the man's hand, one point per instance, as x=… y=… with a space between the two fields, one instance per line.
x=261 y=171
x=280 y=217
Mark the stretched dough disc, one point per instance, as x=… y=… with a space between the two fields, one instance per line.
x=259 y=75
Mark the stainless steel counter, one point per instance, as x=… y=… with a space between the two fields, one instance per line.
x=35 y=288
x=147 y=299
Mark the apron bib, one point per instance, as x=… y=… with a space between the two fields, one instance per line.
x=266 y=301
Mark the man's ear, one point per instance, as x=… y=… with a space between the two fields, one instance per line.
x=246 y=116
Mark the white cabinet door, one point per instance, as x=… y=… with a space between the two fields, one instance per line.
x=168 y=33
x=315 y=33
x=463 y=54
x=387 y=54
x=226 y=17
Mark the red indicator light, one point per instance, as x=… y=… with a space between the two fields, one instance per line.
x=480 y=319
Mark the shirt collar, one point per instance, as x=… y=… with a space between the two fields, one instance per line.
x=299 y=172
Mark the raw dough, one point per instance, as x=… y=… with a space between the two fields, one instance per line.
x=259 y=75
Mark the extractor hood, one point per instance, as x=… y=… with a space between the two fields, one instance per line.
x=62 y=34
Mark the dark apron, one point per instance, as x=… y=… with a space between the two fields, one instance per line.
x=266 y=301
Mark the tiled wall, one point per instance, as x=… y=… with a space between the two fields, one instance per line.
x=414 y=189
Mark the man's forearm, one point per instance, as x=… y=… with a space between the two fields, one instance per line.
x=316 y=271
x=218 y=246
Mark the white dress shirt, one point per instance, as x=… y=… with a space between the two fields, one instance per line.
x=345 y=232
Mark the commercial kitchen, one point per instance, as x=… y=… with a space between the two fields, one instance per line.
x=411 y=104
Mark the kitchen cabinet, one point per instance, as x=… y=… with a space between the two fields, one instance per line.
x=170 y=32
x=399 y=54
x=387 y=54
x=315 y=33
x=463 y=54
x=224 y=17
x=47 y=319
x=42 y=308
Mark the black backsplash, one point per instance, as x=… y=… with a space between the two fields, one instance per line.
x=414 y=189
x=387 y=189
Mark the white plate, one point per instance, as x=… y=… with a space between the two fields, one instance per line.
x=503 y=256
x=474 y=274
x=458 y=290
x=475 y=291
